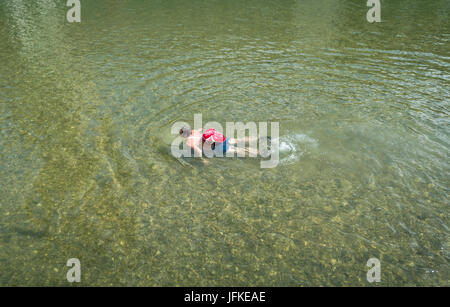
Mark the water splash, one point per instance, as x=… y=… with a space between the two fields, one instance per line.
x=293 y=146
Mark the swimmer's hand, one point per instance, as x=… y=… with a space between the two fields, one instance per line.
x=205 y=162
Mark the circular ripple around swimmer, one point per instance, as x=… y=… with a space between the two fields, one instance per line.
x=184 y=100
x=222 y=85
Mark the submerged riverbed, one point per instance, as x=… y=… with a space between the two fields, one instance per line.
x=86 y=170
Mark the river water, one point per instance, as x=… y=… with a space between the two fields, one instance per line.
x=85 y=165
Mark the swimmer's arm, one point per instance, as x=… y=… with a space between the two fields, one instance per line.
x=199 y=151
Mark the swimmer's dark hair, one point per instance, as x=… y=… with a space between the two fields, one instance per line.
x=185 y=131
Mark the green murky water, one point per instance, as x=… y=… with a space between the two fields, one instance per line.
x=86 y=172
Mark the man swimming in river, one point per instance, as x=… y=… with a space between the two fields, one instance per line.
x=216 y=141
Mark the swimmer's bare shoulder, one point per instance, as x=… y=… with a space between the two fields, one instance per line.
x=194 y=141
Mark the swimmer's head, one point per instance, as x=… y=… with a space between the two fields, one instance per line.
x=185 y=131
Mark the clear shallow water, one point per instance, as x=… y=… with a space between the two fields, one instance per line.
x=85 y=116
